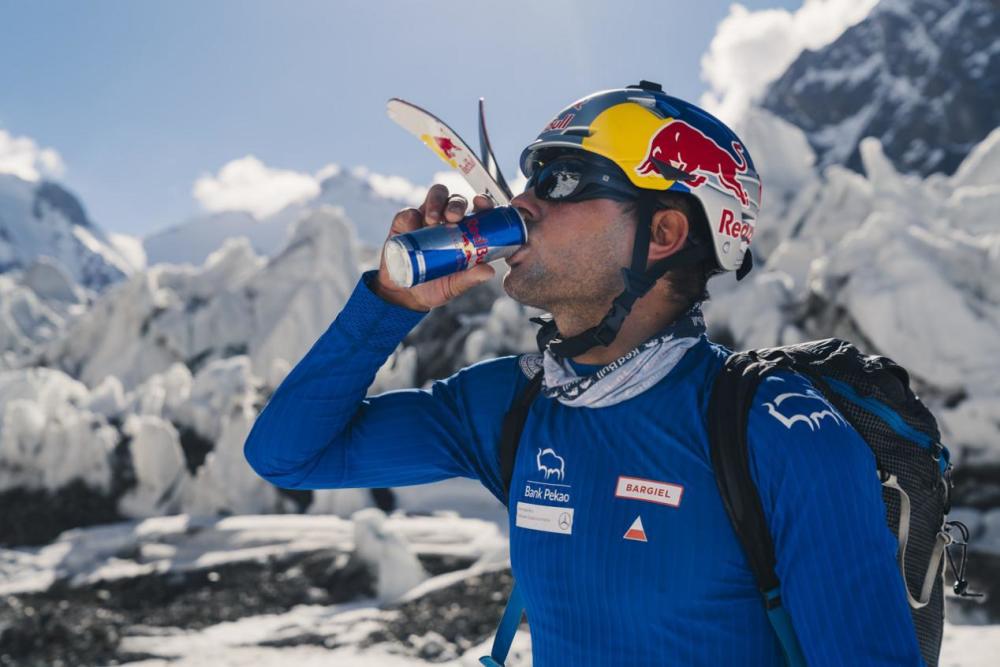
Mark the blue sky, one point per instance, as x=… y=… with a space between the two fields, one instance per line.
x=142 y=98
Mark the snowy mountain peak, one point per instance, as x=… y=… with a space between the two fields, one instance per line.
x=43 y=219
x=921 y=75
x=54 y=196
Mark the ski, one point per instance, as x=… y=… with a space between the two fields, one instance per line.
x=447 y=145
x=486 y=152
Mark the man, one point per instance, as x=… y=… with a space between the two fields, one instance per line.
x=619 y=540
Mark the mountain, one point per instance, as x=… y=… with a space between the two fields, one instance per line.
x=368 y=207
x=923 y=76
x=44 y=219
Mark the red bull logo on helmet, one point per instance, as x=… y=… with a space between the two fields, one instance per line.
x=733 y=228
x=560 y=123
x=690 y=150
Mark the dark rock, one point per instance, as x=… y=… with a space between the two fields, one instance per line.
x=196 y=448
x=38 y=516
x=54 y=196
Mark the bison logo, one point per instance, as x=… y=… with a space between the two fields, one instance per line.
x=550 y=463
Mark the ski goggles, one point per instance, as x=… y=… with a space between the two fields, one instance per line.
x=571 y=178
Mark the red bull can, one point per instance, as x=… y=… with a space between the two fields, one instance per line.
x=440 y=250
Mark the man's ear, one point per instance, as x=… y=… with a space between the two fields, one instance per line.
x=668 y=233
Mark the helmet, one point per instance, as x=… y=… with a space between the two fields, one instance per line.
x=660 y=143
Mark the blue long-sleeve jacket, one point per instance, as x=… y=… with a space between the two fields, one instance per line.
x=619 y=540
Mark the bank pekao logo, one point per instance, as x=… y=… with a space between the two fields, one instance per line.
x=550 y=463
x=808 y=412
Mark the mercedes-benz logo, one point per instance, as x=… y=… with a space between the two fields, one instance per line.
x=564 y=520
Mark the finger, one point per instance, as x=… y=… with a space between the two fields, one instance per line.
x=407 y=220
x=457 y=206
x=463 y=281
x=482 y=203
x=434 y=203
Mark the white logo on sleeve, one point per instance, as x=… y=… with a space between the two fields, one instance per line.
x=550 y=463
x=811 y=406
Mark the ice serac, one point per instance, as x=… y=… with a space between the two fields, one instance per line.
x=902 y=265
x=923 y=76
x=35 y=305
x=44 y=219
x=235 y=303
x=47 y=437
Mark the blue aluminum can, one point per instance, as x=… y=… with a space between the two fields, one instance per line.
x=436 y=251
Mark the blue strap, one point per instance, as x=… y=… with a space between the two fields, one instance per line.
x=781 y=621
x=506 y=630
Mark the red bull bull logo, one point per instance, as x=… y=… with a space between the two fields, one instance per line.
x=690 y=150
x=447 y=146
x=475 y=246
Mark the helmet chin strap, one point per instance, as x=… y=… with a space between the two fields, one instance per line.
x=638 y=281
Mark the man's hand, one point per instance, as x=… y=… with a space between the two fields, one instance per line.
x=438 y=208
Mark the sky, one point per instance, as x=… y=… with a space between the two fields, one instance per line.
x=149 y=111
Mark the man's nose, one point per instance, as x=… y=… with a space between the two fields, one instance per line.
x=527 y=205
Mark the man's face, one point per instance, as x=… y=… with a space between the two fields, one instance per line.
x=574 y=253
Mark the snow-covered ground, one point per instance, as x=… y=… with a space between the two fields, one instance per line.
x=410 y=608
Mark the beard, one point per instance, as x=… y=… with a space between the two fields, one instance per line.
x=531 y=283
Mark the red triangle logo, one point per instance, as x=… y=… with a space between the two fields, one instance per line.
x=636 y=531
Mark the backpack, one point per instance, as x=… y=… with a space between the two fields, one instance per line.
x=874 y=395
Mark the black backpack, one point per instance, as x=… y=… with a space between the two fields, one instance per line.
x=873 y=393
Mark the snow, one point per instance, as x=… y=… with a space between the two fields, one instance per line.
x=396 y=567
x=158 y=461
x=29 y=319
x=232 y=643
x=42 y=219
x=46 y=439
x=185 y=542
x=130 y=249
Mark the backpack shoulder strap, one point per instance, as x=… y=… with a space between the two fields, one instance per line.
x=510 y=438
x=728 y=416
x=513 y=426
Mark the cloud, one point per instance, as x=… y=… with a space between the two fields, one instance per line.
x=391 y=187
x=22 y=157
x=752 y=48
x=247 y=184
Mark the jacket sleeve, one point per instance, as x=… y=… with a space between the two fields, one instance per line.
x=836 y=556
x=319 y=431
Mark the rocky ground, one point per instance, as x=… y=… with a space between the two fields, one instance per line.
x=84 y=625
